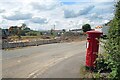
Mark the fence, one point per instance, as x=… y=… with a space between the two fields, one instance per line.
x=6 y=45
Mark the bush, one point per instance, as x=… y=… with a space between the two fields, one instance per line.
x=102 y=64
x=86 y=27
x=112 y=47
x=31 y=33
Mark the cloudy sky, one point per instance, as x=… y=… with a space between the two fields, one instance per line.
x=63 y=14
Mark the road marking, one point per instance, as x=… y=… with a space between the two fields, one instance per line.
x=48 y=64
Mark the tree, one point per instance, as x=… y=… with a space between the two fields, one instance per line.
x=13 y=30
x=23 y=26
x=27 y=30
x=63 y=30
x=41 y=33
x=4 y=33
x=112 y=46
x=52 y=32
x=24 y=29
x=86 y=27
x=31 y=33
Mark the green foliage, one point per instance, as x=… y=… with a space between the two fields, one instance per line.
x=112 y=46
x=41 y=33
x=102 y=63
x=19 y=31
x=31 y=33
x=23 y=26
x=13 y=30
x=86 y=27
x=97 y=75
x=4 y=33
x=26 y=30
x=52 y=32
x=63 y=30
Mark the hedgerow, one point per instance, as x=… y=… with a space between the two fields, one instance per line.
x=112 y=47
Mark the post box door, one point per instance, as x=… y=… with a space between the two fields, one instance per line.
x=89 y=52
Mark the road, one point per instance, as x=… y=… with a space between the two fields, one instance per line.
x=59 y=60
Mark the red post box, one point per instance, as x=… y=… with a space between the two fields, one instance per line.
x=92 y=47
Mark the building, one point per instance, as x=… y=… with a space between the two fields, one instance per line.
x=76 y=30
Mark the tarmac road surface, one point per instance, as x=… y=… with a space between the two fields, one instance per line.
x=58 y=60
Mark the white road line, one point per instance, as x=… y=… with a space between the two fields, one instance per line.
x=47 y=65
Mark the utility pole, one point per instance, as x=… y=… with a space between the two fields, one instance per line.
x=54 y=27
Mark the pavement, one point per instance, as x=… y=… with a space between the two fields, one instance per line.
x=58 y=60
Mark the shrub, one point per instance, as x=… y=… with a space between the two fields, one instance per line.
x=86 y=27
x=112 y=47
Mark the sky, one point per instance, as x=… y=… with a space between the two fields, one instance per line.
x=58 y=14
